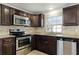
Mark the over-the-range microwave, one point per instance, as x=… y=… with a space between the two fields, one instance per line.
x=21 y=20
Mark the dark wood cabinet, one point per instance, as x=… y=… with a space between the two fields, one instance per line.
x=0 y=46
x=7 y=46
x=77 y=46
x=6 y=15
x=37 y=20
x=41 y=20
x=46 y=44
x=78 y=14
x=70 y=16
x=34 y=20
x=19 y=12
x=33 y=42
x=0 y=14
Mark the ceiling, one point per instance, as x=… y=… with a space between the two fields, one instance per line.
x=39 y=7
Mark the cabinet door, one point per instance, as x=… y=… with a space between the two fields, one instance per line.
x=11 y=16
x=33 y=42
x=46 y=44
x=5 y=15
x=0 y=14
x=41 y=20
x=34 y=21
x=37 y=20
x=52 y=45
x=19 y=12
x=78 y=14
x=77 y=47
x=0 y=46
x=40 y=44
x=70 y=16
x=9 y=47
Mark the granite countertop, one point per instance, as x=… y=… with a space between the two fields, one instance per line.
x=6 y=36
x=47 y=34
x=58 y=35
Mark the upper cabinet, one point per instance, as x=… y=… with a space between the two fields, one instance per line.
x=19 y=12
x=70 y=16
x=37 y=20
x=78 y=14
x=41 y=20
x=0 y=14
x=6 y=16
x=34 y=20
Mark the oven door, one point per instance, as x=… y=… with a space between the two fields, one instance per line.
x=23 y=42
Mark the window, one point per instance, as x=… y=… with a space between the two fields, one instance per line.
x=54 y=24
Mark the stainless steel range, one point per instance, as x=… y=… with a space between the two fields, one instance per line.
x=22 y=41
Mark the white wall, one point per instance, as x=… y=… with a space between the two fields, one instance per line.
x=54 y=13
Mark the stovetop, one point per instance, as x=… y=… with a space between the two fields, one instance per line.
x=22 y=35
x=19 y=34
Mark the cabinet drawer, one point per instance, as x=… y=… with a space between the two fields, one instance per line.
x=8 y=40
x=7 y=46
x=8 y=50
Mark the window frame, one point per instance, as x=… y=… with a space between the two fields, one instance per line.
x=49 y=27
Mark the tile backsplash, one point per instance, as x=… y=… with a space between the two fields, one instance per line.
x=67 y=30
x=4 y=30
x=71 y=30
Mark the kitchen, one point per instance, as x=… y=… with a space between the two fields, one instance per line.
x=26 y=30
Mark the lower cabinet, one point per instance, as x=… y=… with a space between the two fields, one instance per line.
x=8 y=46
x=77 y=46
x=46 y=44
x=0 y=46
x=53 y=45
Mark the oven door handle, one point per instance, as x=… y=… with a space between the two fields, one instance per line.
x=21 y=38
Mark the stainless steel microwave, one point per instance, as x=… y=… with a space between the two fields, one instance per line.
x=21 y=20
